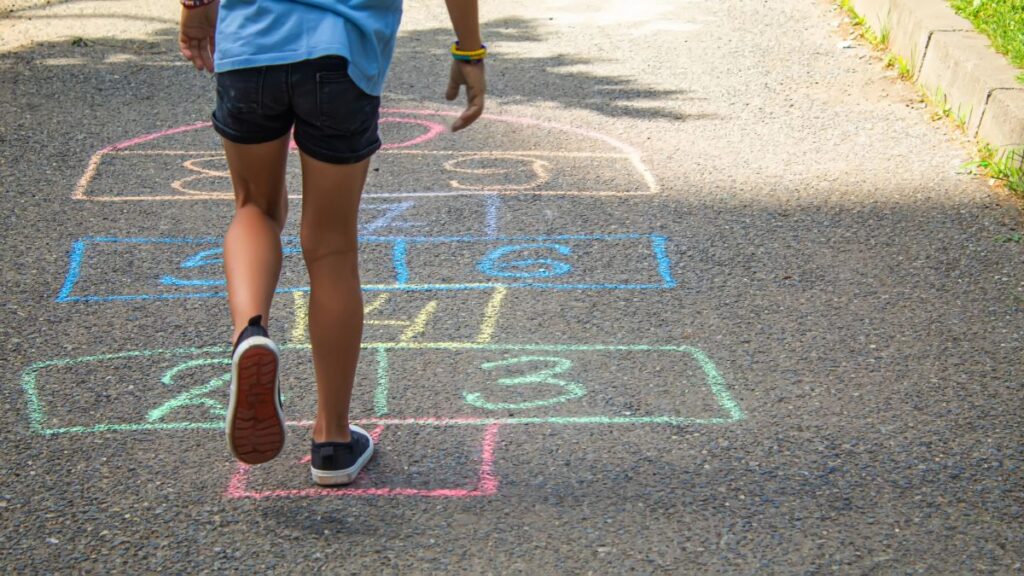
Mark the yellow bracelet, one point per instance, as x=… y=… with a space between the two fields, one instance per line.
x=468 y=55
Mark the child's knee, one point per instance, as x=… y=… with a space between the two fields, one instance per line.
x=318 y=245
x=273 y=207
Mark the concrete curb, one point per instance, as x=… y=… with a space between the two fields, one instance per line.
x=955 y=64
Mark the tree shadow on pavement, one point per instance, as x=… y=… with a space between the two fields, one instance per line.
x=419 y=72
x=561 y=80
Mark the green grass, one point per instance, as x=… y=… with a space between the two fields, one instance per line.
x=1002 y=21
x=941 y=108
x=1005 y=165
x=878 y=40
x=901 y=66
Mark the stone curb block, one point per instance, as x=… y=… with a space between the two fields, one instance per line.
x=954 y=64
x=910 y=24
x=961 y=70
x=1003 y=122
x=913 y=26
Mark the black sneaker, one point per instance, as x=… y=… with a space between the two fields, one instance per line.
x=337 y=463
x=255 y=423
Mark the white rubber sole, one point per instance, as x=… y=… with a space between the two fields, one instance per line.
x=348 y=475
x=255 y=427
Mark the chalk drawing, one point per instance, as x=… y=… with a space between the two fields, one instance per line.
x=493 y=207
x=572 y=389
x=532 y=268
x=419 y=324
x=503 y=384
x=378 y=301
x=381 y=392
x=389 y=216
x=400 y=261
x=195 y=165
x=486 y=481
x=491 y=312
x=537 y=162
x=212 y=257
x=529 y=171
x=434 y=129
x=300 y=325
x=482 y=266
x=712 y=381
x=195 y=396
x=541 y=172
x=413 y=328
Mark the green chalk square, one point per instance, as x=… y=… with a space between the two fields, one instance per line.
x=456 y=383
x=89 y=380
x=178 y=389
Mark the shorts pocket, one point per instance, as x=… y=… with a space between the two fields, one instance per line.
x=342 y=106
x=240 y=90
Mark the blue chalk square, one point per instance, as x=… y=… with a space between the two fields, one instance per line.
x=106 y=269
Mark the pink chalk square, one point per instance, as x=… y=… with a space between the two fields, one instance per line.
x=252 y=482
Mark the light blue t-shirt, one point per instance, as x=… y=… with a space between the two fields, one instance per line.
x=269 y=32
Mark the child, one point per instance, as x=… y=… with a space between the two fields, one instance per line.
x=317 y=66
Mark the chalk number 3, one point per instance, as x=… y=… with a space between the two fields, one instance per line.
x=546 y=376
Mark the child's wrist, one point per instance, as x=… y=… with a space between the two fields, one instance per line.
x=462 y=53
x=470 y=44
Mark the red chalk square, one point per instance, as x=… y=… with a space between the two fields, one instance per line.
x=414 y=461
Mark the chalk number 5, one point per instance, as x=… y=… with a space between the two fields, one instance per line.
x=546 y=376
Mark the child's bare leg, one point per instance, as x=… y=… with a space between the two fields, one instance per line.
x=330 y=206
x=252 y=244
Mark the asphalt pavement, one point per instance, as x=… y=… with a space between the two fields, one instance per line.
x=706 y=291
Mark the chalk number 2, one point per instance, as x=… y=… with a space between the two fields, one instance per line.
x=546 y=376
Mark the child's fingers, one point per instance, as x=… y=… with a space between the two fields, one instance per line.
x=476 y=86
x=454 y=81
x=197 y=51
x=452 y=92
x=197 y=56
x=206 y=54
x=184 y=49
x=474 y=108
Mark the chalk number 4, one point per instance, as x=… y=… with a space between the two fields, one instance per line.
x=543 y=377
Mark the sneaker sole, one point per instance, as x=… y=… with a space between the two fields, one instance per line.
x=255 y=423
x=348 y=475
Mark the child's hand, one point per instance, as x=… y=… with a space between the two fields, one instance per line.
x=196 y=37
x=472 y=75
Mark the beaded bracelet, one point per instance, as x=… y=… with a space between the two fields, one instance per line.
x=190 y=4
x=471 y=56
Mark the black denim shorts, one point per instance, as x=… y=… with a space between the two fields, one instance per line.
x=335 y=121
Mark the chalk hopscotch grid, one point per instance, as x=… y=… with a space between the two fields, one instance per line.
x=713 y=379
x=487 y=480
x=400 y=246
